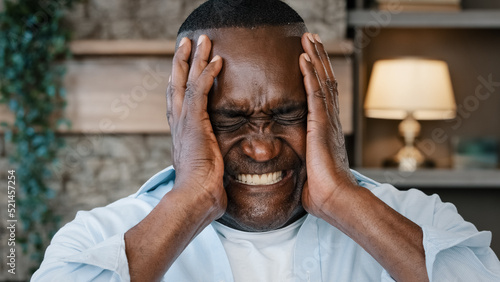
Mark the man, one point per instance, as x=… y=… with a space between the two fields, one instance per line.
x=262 y=190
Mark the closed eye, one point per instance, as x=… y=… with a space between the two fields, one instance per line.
x=228 y=124
x=293 y=113
x=290 y=118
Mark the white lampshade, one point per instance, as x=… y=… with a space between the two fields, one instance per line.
x=411 y=86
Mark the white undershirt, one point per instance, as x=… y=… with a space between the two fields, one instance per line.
x=260 y=256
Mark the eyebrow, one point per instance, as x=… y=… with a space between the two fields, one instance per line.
x=289 y=108
x=282 y=109
x=228 y=112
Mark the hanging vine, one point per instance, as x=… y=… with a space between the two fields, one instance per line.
x=32 y=38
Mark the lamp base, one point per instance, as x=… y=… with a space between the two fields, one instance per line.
x=409 y=158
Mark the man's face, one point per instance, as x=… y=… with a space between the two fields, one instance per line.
x=258 y=112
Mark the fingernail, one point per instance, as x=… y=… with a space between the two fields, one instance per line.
x=200 y=40
x=307 y=57
x=318 y=39
x=183 y=41
x=169 y=78
x=310 y=36
x=217 y=57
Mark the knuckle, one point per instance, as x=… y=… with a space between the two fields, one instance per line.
x=172 y=90
x=198 y=57
x=191 y=89
x=331 y=84
x=319 y=93
x=209 y=70
x=180 y=54
x=192 y=95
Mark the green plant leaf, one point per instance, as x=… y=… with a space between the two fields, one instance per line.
x=31 y=39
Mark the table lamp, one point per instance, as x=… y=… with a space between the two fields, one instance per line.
x=410 y=89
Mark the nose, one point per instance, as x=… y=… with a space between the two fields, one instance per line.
x=261 y=148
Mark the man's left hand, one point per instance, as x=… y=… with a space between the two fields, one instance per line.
x=326 y=157
x=331 y=191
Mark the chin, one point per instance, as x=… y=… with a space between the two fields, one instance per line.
x=258 y=206
x=265 y=214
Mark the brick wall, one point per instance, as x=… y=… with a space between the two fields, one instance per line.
x=94 y=171
x=157 y=19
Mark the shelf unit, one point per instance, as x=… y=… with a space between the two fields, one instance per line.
x=469 y=41
x=165 y=47
x=436 y=178
x=369 y=26
x=463 y=19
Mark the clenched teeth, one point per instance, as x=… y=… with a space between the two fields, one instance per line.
x=260 y=179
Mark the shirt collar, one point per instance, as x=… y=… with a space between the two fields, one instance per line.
x=163 y=177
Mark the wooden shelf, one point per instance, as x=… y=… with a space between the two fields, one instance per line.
x=435 y=178
x=462 y=19
x=165 y=47
x=122 y=47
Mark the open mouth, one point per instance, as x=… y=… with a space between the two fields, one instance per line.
x=260 y=179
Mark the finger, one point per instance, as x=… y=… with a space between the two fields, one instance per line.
x=330 y=81
x=180 y=72
x=315 y=94
x=200 y=60
x=171 y=123
x=315 y=49
x=320 y=48
x=196 y=98
x=309 y=45
x=168 y=97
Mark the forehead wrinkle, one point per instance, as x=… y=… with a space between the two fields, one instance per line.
x=231 y=105
x=277 y=105
x=260 y=69
x=261 y=92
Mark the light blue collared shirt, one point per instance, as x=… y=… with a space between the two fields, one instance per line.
x=92 y=247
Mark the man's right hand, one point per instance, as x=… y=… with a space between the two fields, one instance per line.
x=198 y=196
x=196 y=155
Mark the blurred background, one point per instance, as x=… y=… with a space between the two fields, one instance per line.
x=83 y=109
